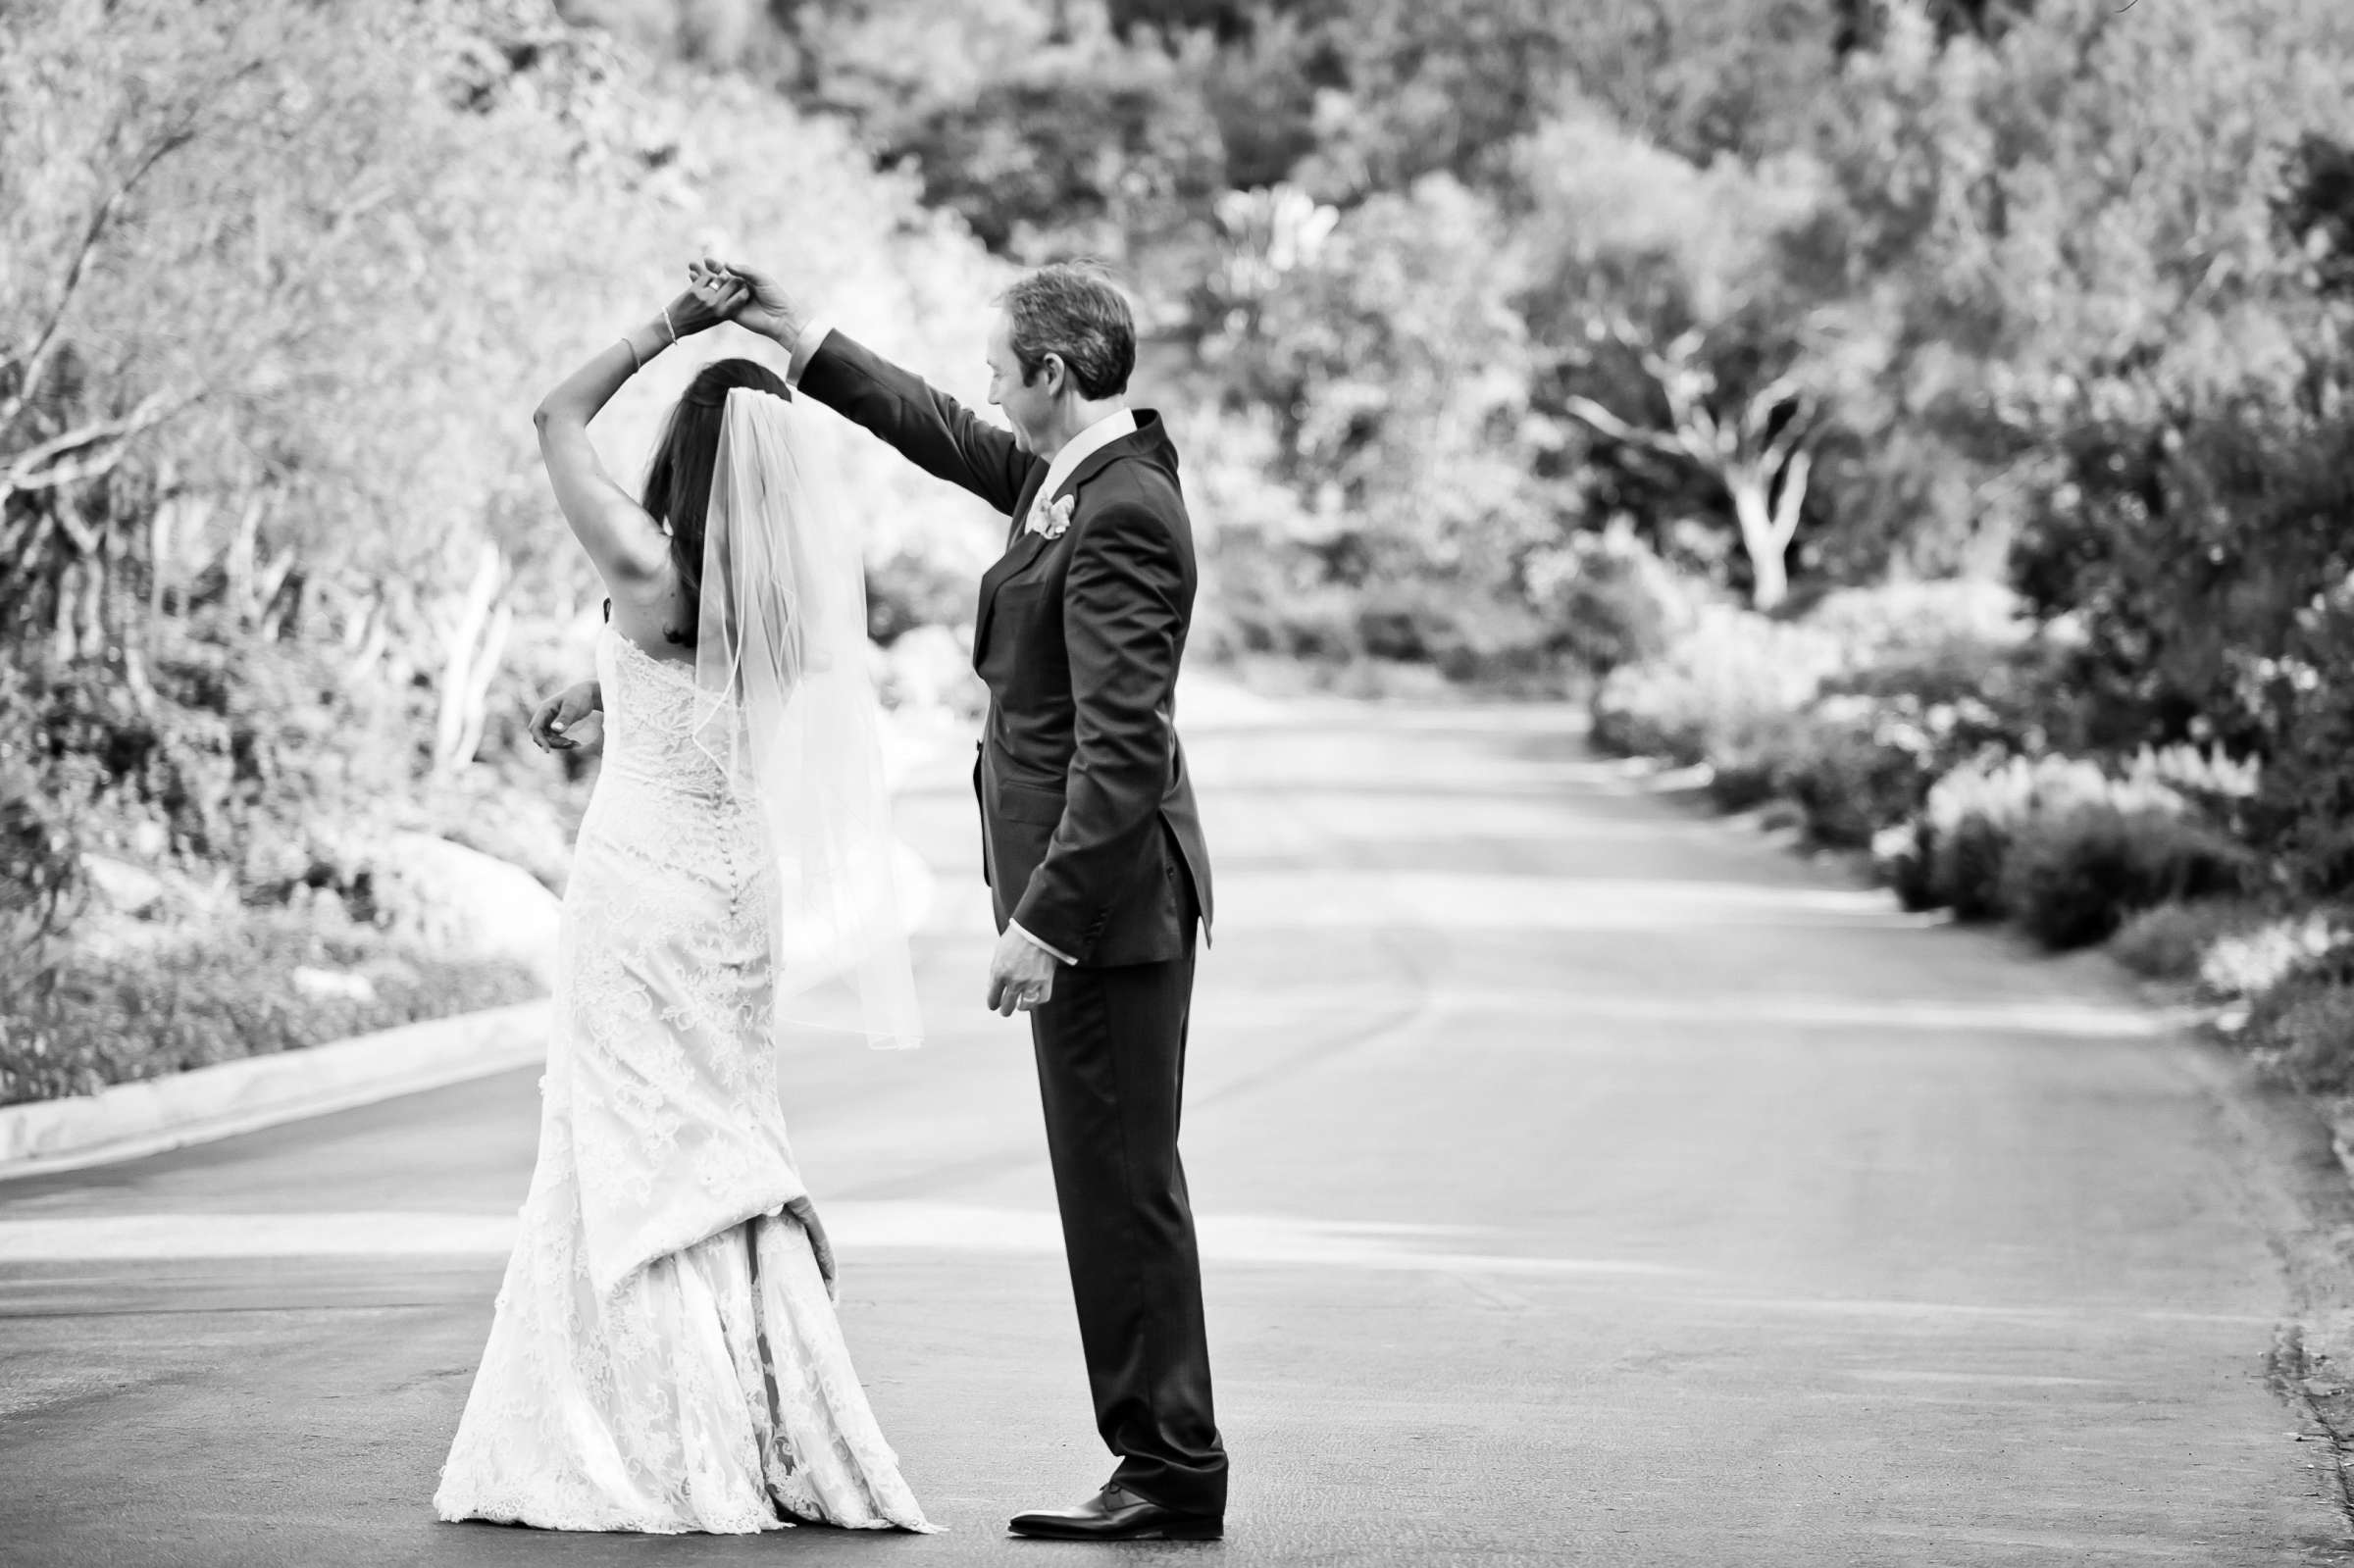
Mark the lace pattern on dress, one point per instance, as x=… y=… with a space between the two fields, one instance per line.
x=663 y=1356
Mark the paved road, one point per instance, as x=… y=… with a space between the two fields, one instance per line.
x=1582 y=1182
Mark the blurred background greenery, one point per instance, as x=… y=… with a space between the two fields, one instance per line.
x=1925 y=418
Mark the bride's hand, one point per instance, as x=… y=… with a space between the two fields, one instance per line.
x=801 y=1209
x=765 y=306
x=707 y=301
x=570 y=719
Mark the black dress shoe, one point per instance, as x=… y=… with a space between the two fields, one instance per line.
x=1117 y=1514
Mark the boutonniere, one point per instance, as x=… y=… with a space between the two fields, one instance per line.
x=1048 y=521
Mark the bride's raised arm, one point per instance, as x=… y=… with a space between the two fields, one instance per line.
x=625 y=543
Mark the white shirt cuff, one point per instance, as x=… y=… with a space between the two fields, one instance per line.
x=814 y=332
x=1056 y=953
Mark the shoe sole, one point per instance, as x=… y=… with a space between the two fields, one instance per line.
x=1179 y=1531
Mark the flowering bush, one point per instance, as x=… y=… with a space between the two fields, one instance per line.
x=2243 y=965
x=2176 y=940
x=1901 y=624
x=1857 y=763
x=1852 y=711
x=1972 y=815
x=2070 y=877
x=1726 y=694
x=2302 y=1024
x=2311 y=1039
x=2064 y=845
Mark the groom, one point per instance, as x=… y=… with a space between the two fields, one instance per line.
x=1090 y=839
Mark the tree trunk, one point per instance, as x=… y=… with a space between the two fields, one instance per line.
x=1769 y=574
x=472 y=651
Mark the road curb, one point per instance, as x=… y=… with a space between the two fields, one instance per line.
x=128 y=1121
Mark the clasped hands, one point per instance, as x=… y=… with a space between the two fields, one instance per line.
x=750 y=298
x=1021 y=974
x=721 y=291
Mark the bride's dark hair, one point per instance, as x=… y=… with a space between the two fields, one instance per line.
x=678 y=483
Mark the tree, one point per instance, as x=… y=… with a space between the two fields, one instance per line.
x=281 y=287
x=1681 y=309
x=1393 y=376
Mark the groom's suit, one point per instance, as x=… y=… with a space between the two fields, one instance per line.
x=1092 y=844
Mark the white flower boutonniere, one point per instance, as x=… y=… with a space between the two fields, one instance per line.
x=1049 y=522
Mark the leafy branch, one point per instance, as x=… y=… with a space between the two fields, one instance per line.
x=89 y=450
x=34 y=362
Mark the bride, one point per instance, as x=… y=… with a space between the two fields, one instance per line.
x=665 y=1355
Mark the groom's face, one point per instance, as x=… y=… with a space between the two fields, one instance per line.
x=1030 y=409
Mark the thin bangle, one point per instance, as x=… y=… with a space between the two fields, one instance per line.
x=636 y=364
x=666 y=327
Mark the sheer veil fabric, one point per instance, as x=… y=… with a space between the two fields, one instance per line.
x=664 y=1355
x=788 y=709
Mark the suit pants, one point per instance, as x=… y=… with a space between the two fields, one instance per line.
x=1111 y=1050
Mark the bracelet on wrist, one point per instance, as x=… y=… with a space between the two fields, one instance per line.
x=637 y=362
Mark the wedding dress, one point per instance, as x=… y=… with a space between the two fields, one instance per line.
x=664 y=1355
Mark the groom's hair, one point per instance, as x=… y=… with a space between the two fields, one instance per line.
x=678 y=483
x=1071 y=309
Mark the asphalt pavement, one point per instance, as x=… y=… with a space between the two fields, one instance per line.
x=1580 y=1180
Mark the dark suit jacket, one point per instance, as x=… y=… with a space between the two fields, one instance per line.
x=1089 y=830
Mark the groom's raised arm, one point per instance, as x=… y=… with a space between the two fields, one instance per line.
x=927 y=426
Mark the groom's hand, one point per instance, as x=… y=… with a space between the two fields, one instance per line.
x=1021 y=974
x=761 y=304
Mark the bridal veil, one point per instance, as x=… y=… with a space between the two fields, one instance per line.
x=786 y=704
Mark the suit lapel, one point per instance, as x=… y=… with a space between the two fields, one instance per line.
x=1021 y=549
x=1025 y=550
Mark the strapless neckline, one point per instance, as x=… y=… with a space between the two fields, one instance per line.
x=675 y=669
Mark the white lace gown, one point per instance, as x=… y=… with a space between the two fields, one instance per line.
x=664 y=1356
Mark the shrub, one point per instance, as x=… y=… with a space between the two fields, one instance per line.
x=2070 y=877
x=2310 y=1032
x=221 y=995
x=1975 y=814
x=1726 y=694
x=1901 y=861
x=1858 y=764
x=2254 y=963
x=1957 y=621
x=1852 y=712
x=1848 y=779
x=1609 y=597
x=39 y=852
x=1966 y=867
x=2173 y=941
x=2305 y=809
x=2198 y=774
x=1250 y=604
